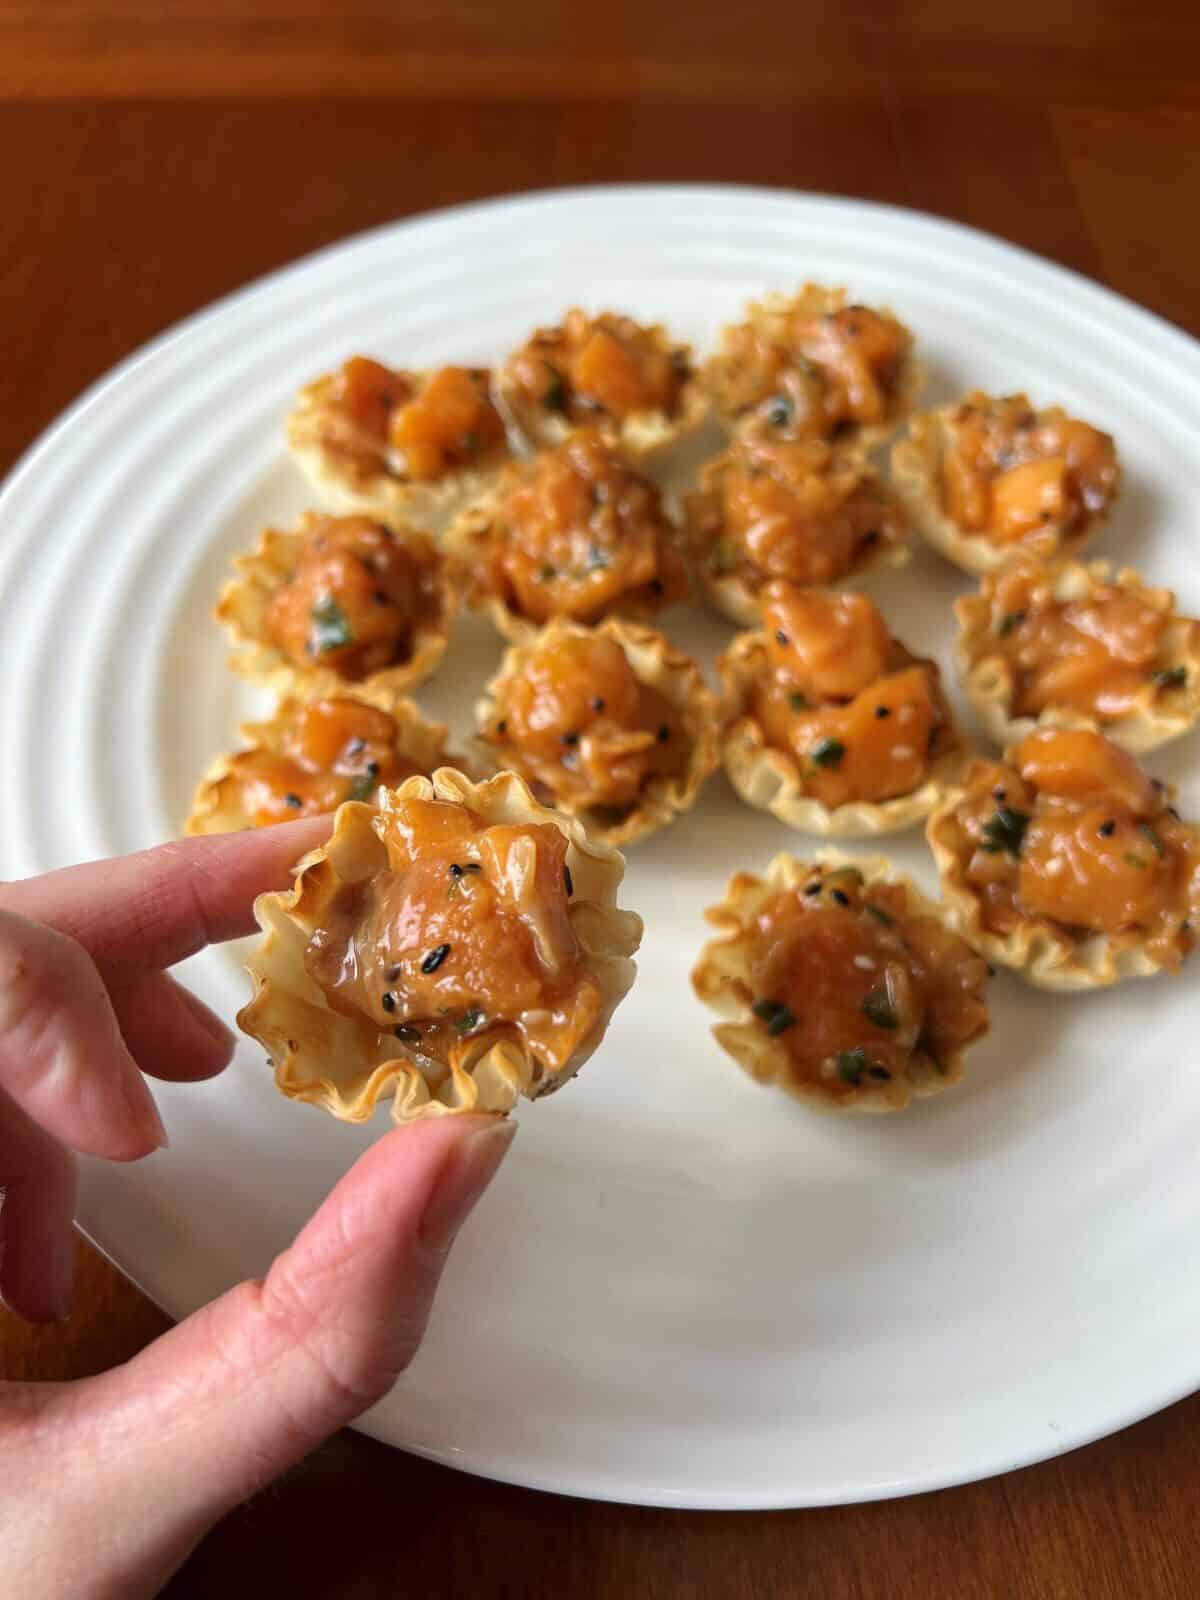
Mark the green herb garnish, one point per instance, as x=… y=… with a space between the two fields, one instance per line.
x=1004 y=831
x=778 y=1017
x=1133 y=860
x=365 y=784
x=851 y=1064
x=470 y=443
x=797 y=701
x=1152 y=839
x=878 y=913
x=1171 y=678
x=546 y=573
x=1009 y=621
x=827 y=752
x=877 y=1008
x=779 y=411
x=469 y=1022
x=330 y=629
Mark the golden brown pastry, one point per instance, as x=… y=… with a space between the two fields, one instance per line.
x=577 y=532
x=812 y=367
x=1072 y=645
x=625 y=377
x=336 y=602
x=842 y=984
x=802 y=511
x=833 y=726
x=454 y=947
x=398 y=444
x=1066 y=862
x=611 y=724
x=990 y=481
x=312 y=755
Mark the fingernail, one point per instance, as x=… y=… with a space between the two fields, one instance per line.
x=462 y=1180
x=144 y=1113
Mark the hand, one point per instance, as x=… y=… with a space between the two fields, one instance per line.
x=106 y=1484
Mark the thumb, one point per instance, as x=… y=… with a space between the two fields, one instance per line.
x=251 y=1383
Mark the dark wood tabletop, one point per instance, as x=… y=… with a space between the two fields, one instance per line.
x=153 y=156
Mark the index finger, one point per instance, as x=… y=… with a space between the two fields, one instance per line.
x=156 y=907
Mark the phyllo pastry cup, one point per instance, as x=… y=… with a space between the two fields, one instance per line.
x=454 y=948
x=817 y=366
x=770 y=509
x=989 y=482
x=612 y=725
x=871 y=749
x=630 y=379
x=577 y=531
x=395 y=444
x=1066 y=863
x=312 y=755
x=841 y=983
x=339 y=603
x=1072 y=645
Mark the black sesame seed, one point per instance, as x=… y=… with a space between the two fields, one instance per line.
x=407 y=1034
x=502 y=726
x=656 y=587
x=388 y=1001
x=842 y=899
x=393 y=973
x=813 y=888
x=435 y=958
x=380 y=598
x=570 y=738
x=598 y=705
x=781 y=638
x=883 y=711
x=293 y=800
x=664 y=733
x=881 y=1073
x=1107 y=829
x=569 y=885
x=372 y=769
x=455 y=870
x=999 y=794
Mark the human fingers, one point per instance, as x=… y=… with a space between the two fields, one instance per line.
x=156 y=907
x=170 y=1033
x=247 y=1386
x=38 y=1181
x=63 y=1059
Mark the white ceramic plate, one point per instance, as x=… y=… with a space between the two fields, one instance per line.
x=683 y=1289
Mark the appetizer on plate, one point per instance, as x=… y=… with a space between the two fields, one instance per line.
x=314 y=754
x=627 y=377
x=1066 y=862
x=339 y=601
x=833 y=726
x=397 y=444
x=800 y=510
x=813 y=367
x=576 y=532
x=841 y=983
x=989 y=481
x=611 y=724
x=454 y=947
x=1072 y=645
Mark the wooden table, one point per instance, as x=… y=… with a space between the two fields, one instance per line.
x=154 y=155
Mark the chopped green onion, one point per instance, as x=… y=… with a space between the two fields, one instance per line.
x=330 y=629
x=469 y=1022
x=877 y=1008
x=1004 y=831
x=827 y=752
x=1171 y=678
x=797 y=701
x=778 y=1017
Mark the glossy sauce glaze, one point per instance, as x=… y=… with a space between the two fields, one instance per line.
x=579 y=533
x=578 y=723
x=356 y=596
x=593 y=367
x=1097 y=654
x=421 y=430
x=1012 y=471
x=852 y=985
x=814 y=376
x=1069 y=828
x=779 y=508
x=327 y=751
x=465 y=940
x=862 y=718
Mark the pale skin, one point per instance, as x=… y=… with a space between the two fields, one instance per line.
x=108 y=1483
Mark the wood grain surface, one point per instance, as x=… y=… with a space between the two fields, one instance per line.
x=154 y=155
